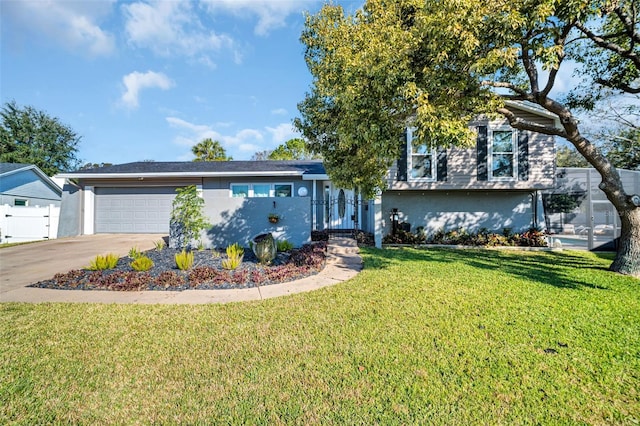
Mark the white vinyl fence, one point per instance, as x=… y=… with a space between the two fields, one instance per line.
x=21 y=224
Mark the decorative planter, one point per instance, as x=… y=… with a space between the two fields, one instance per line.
x=264 y=247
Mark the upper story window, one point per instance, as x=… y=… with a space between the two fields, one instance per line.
x=261 y=190
x=17 y=202
x=422 y=160
x=503 y=158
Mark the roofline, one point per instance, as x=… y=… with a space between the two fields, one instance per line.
x=315 y=176
x=533 y=110
x=175 y=174
x=40 y=173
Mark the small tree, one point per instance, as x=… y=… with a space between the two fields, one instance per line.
x=293 y=149
x=187 y=218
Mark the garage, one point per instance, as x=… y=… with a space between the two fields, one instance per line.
x=143 y=210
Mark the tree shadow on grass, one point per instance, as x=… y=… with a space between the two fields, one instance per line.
x=558 y=269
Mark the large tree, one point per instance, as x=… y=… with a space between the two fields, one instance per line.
x=441 y=63
x=31 y=136
x=209 y=150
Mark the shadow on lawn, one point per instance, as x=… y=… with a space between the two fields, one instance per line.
x=551 y=268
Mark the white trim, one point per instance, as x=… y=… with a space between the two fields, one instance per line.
x=514 y=143
x=174 y=174
x=310 y=176
x=534 y=109
x=89 y=210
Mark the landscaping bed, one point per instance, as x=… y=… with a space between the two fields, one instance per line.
x=206 y=273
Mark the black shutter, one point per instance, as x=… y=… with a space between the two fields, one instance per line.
x=482 y=148
x=523 y=155
x=402 y=161
x=441 y=165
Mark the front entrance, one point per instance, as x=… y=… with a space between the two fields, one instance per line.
x=341 y=209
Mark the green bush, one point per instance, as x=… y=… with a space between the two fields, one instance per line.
x=134 y=253
x=100 y=263
x=184 y=260
x=159 y=245
x=284 y=245
x=142 y=263
x=235 y=254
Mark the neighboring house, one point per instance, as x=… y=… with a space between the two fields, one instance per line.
x=494 y=185
x=29 y=204
x=25 y=185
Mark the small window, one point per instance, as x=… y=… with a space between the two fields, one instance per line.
x=283 y=190
x=20 y=202
x=261 y=190
x=503 y=158
x=239 y=190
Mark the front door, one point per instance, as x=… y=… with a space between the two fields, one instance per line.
x=341 y=208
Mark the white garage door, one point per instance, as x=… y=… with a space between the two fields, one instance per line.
x=133 y=210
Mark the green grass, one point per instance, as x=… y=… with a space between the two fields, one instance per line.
x=420 y=336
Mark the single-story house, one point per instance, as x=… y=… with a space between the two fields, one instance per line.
x=494 y=185
x=25 y=185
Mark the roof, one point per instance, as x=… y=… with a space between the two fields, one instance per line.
x=202 y=169
x=11 y=168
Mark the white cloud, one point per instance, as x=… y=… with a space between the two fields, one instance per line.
x=71 y=24
x=137 y=81
x=172 y=28
x=282 y=133
x=240 y=144
x=271 y=14
x=279 y=111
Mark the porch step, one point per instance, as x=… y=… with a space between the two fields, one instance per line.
x=343 y=250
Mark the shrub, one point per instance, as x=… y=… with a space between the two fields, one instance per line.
x=284 y=245
x=235 y=254
x=142 y=263
x=184 y=260
x=169 y=279
x=134 y=253
x=187 y=212
x=159 y=245
x=101 y=263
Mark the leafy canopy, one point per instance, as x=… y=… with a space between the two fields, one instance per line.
x=293 y=149
x=210 y=150
x=30 y=136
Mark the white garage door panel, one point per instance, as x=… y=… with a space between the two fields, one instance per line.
x=133 y=210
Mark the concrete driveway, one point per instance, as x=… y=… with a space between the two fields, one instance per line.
x=28 y=263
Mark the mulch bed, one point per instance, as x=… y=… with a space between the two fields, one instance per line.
x=206 y=273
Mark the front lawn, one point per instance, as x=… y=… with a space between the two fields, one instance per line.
x=420 y=336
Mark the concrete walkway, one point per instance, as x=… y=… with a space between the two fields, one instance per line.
x=22 y=265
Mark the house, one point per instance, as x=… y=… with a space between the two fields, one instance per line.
x=29 y=204
x=239 y=197
x=26 y=185
x=494 y=185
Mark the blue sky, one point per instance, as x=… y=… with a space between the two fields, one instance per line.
x=142 y=80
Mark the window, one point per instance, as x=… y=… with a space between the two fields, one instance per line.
x=262 y=190
x=283 y=190
x=422 y=164
x=502 y=155
x=239 y=190
x=20 y=202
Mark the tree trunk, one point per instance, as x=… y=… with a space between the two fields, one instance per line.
x=627 y=259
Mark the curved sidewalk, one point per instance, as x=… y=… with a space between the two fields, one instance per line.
x=343 y=263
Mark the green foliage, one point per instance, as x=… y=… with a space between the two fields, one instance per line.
x=529 y=238
x=30 y=136
x=293 y=149
x=188 y=211
x=134 y=253
x=215 y=254
x=100 y=263
x=142 y=263
x=209 y=150
x=235 y=254
x=568 y=157
x=184 y=260
x=284 y=245
x=159 y=245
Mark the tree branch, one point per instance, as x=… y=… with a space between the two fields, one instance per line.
x=613 y=47
x=560 y=41
x=620 y=86
x=504 y=85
